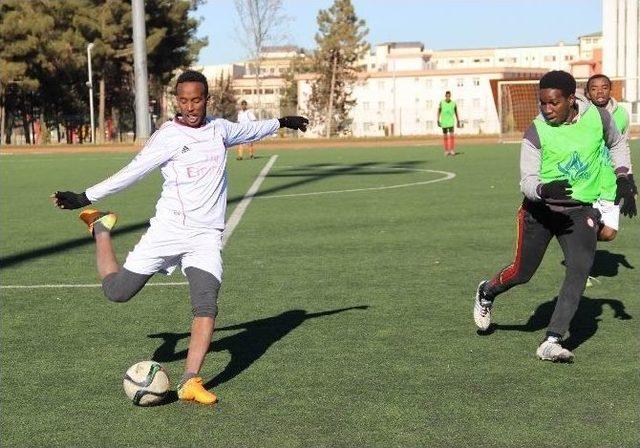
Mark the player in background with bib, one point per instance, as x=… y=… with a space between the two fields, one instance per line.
x=561 y=173
x=599 y=92
x=447 y=119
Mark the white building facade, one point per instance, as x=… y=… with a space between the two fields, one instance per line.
x=621 y=47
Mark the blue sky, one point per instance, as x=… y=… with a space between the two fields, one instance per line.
x=439 y=24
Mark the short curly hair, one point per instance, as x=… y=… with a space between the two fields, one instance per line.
x=558 y=79
x=598 y=76
x=193 y=76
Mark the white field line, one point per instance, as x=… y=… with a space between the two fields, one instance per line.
x=447 y=176
x=235 y=217
x=232 y=223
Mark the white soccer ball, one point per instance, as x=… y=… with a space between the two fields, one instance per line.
x=146 y=383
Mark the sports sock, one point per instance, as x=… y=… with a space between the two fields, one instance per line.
x=98 y=227
x=186 y=377
x=452 y=143
x=446 y=142
x=553 y=337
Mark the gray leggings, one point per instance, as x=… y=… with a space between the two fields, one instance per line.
x=204 y=287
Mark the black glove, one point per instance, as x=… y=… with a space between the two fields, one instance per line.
x=556 y=189
x=296 y=123
x=625 y=194
x=70 y=200
x=633 y=184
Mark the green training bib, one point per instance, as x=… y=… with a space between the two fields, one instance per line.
x=447 y=113
x=573 y=152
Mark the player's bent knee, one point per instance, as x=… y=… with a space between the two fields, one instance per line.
x=123 y=285
x=204 y=288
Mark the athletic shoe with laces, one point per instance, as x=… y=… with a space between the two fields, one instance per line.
x=193 y=390
x=554 y=352
x=91 y=216
x=482 y=308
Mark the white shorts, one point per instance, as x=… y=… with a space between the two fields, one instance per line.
x=167 y=245
x=610 y=213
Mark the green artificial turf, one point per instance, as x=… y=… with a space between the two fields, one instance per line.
x=345 y=317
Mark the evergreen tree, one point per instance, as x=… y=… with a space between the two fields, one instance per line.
x=341 y=44
x=289 y=99
x=222 y=100
x=43 y=56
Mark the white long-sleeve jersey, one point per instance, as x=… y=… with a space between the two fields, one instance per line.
x=193 y=164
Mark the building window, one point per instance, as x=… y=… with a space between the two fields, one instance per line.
x=381 y=85
x=477 y=124
x=460 y=82
x=476 y=60
x=460 y=102
x=365 y=105
x=444 y=83
x=500 y=59
x=428 y=125
x=268 y=91
x=381 y=105
x=428 y=83
x=476 y=103
x=417 y=119
x=373 y=66
x=367 y=126
x=452 y=61
x=476 y=81
x=429 y=104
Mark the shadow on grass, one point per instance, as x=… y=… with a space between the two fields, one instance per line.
x=583 y=326
x=245 y=347
x=607 y=264
x=307 y=174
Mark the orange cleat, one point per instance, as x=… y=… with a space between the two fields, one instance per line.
x=91 y=216
x=193 y=390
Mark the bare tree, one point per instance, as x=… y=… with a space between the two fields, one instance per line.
x=261 y=21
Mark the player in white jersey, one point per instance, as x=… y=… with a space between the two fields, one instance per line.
x=245 y=116
x=187 y=228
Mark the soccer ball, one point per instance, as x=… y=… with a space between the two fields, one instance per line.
x=146 y=383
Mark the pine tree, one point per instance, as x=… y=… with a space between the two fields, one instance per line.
x=289 y=99
x=341 y=44
x=223 y=101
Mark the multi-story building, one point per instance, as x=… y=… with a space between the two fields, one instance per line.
x=621 y=48
x=401 y=89
x=262 y=92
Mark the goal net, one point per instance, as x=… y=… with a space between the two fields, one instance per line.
x=518 y=103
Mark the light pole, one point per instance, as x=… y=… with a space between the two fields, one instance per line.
x=90 y=85
x=140 y=71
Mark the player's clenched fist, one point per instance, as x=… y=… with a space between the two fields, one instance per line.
x=69 y=200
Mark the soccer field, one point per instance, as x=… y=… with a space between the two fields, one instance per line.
x=345 y=313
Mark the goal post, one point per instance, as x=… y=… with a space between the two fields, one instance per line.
x=518 y=103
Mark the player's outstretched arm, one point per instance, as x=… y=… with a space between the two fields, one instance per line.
x=69 y=200
x=241 y=133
